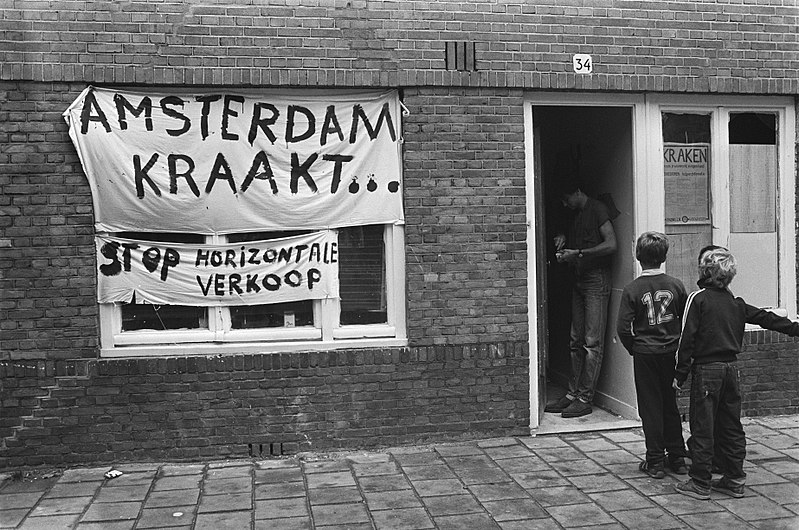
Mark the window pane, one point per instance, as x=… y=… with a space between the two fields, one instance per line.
x=686 y=171
x=362 y=275
x=161 y=317
x=263 y=236
x=288 y=315
x=753 y=128
x=686 y=128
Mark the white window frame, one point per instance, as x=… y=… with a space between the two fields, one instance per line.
x=719 y=108
x=220 y=339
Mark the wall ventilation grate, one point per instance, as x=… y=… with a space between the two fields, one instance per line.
x=460 y=56
x=266 y=449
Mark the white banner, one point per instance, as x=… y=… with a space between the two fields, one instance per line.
x=216 y=161
x=258 y=272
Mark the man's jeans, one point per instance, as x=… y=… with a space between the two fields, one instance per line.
x=590 y=295
x=716 y=416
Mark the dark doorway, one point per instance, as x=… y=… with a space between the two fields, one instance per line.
x=595 y=144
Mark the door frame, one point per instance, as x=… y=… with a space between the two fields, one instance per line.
x=536 y=261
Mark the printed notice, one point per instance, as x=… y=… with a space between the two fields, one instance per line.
x=686 y=172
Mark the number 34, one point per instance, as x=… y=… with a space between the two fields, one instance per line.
x=582 y=63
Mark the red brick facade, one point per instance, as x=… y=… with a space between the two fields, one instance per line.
x=465 y=371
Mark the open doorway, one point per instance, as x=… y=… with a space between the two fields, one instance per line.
x=596 y=144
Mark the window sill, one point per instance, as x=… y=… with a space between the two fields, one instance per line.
x=236 y=348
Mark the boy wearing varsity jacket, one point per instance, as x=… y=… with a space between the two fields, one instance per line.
x=648 y=325
x=712 y=338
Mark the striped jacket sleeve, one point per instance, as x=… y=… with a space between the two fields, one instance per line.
x=685 y=350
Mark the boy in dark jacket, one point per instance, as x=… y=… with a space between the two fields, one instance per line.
x=648 y=325
x=712 y=337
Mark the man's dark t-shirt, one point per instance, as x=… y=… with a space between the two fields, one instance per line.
x=584 y=233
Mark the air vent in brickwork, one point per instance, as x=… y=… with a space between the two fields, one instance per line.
x=460 y=56
x=266 y=449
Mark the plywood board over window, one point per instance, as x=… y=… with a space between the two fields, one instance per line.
x=753 y=222
x=753 y=194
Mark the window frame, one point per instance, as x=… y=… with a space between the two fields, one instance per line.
x=720 y=108
x=218 y=338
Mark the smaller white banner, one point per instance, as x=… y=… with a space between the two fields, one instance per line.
x=251 y=273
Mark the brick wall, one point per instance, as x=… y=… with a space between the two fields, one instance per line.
x=48 y=308
x=68 y=412
x=465 y=372
x=464 y=186
x=737 y=46
x=465 y=208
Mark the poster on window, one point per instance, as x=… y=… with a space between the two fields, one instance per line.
x=221 y=161
x=686 y=172
x=251 y=273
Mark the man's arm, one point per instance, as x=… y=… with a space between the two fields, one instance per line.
x=608 y=245
x=605 y=248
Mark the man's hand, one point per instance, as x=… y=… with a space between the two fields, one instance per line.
x=567 y=255
x=676 y=386
x=560 y=242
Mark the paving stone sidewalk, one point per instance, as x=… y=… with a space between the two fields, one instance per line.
x=585 y=480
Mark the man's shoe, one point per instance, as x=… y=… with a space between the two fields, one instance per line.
x=559 y=405
x=653 y=470
x=692 y=489
x=576 y=409
x=677 y=464
x=727 y=487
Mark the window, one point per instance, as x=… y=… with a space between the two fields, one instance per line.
x=370 y=308
x=728 y=180
x=753 y=205
x=686 y=171
x=263 y=175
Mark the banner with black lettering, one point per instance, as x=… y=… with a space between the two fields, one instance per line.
x=220 y=161
x=259 y=272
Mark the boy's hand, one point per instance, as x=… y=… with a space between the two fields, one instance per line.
x=676 y=386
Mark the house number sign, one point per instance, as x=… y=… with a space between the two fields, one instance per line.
x=582 y=63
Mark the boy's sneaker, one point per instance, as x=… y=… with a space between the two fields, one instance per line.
x=559 y=405
x=576 y=409
x=653 y=470
x=677 y=464
x=692 y=489
x=727 y=487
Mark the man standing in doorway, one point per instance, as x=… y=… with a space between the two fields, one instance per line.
x=587 y=247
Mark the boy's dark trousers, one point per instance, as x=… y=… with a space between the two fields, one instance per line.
x=716 y=416
x=657 y=406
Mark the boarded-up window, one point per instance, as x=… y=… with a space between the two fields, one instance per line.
x=753 y=206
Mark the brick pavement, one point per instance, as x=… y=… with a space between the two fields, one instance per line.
x=584 y=480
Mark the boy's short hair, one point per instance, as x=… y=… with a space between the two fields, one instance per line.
x=651 y=248
x=705 y=249
x=717 y=267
